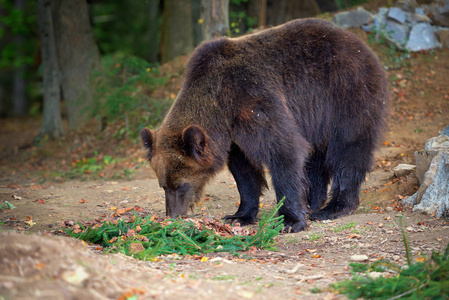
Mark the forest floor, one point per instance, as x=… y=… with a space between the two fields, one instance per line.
x=36 y=179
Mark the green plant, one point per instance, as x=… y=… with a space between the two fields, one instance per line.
x=223 y=277
x=7 y=205
x=426 y=279
x=239 y=19
x=314 y=236
x=122 y=91
x=392 y=56
x=343 y=227
x=89 y=166
x=177 y=236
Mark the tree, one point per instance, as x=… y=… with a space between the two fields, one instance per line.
x=19 y=95
x=213 y=19
x=78 y=57
x=281 y=11
x=51 y=119
x=177 y=29
x=154 y=30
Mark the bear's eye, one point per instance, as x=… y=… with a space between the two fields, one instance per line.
x=183 y=188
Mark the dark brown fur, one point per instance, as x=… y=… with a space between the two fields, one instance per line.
x=307 y=100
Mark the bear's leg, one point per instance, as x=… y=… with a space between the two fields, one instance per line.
x=290 y=181
x=319 y=178
x=250 y=184
x=349 y=164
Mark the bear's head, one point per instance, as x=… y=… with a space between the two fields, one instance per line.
x=183 y=163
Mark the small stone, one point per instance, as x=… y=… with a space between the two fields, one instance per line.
x=375 y=275
x=75 y=277
x=359 y=257
x=136 y=248
x=389 y=209
x=403 y=170
x=396 y=257
x=397 y=14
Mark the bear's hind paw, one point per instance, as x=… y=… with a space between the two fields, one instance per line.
x=292 y=227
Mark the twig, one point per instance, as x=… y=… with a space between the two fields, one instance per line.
x=406 y=293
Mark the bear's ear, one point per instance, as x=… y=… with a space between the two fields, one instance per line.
x=196 y=144
x=147 y=136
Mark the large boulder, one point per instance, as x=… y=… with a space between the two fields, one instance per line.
x=432 y=170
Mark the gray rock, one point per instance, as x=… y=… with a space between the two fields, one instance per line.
x=435 y=200
x=418 y=18
x=423 y=160
x=407 y=5
x=437 y=143
x=445 y=131
x=422 y=37
x=397 y=14
x=403 y=170
x=352 y=18
x=439 y=12
x=396 y=33
x=443 y=38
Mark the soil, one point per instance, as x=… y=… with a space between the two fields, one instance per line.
x=34 y=177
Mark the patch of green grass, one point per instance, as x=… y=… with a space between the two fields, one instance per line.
x=426 y=279
x=314 y=236
x=343 y=227
x=177 y=236
x=292 y=240
x=224 y=277
x=7 y=205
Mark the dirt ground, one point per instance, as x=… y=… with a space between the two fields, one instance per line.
x=36 y=264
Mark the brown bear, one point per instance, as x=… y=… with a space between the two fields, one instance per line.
x=306 y=99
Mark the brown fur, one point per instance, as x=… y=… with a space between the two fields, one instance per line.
x=306 y=99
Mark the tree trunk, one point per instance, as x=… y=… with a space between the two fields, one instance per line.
x=51 y=119
x=214 y=18
x=177 y=29
x=281 y=11
x=262 y=13
x=78 y=57
x=154 y=29
x=19 y=95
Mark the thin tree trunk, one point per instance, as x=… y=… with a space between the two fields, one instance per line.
x=51 y=119
x=19 y=95
x=262 y=13
x=78 y=57
x=154 y=29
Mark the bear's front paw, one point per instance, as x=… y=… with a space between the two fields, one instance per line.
x=320 y=216
x=241 y=219
x=290 y=227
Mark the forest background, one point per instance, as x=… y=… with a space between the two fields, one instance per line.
x=72 y=62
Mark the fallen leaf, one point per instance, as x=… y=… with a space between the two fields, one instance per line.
x=140 y=209
x=40 y=266
x=310 y=250
x=16 y=197
x=126 y=189
x=113 y=208
x=204 y=259
x=82 y=201
x=420 y=259
x=354 y=236
x=41 y=201
x=316 y=256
